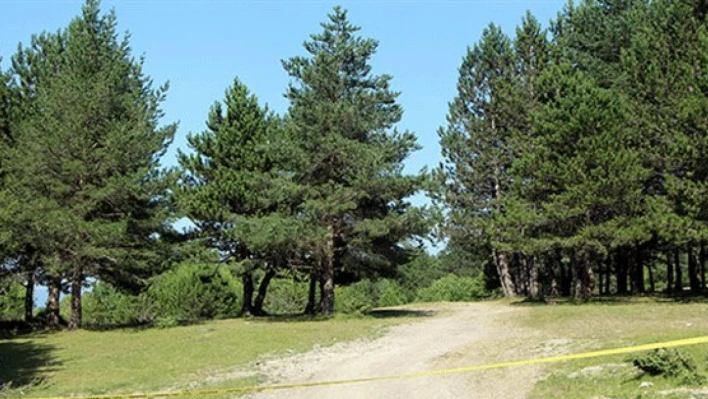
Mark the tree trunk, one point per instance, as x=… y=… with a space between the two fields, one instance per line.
x=29 y=296
x=640 y=270
x=637 y=271
x=77 y=282
x=693 y=279
x=507 y=282
x=551 y=263
x=327 y=306
x=555 y=291
x=247 y=305
x=584 y=276
x=522 y=275
x=577 y=273
x=621 y=264
x=652 y=285
x=311 y=294
x=608 y=275
x=54 y=295
x=566 y=276
x=502 y=258
x=679 y=273
x=321 y=283
x=702 y=265
x=589 y=274
x=578 y=289
x=669 y=274
x=534 y=289
x=262 y=291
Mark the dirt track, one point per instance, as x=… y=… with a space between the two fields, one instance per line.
x=454 y=335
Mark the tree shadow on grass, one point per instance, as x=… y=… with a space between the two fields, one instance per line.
x=375 y=314
x=396 y=313
x=24 y=363
x=658 y=298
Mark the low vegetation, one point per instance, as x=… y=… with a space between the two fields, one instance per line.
x=669 y=373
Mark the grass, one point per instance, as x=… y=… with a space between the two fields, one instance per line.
x=618 y=323
x=139 y=360
x=220 y=354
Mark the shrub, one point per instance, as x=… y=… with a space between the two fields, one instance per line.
x=195 y=291
x=106 y=306
x=364 y=295
x=357 y=298
x=390 y=293
x=420 y=273
x=12 y=301
x=452 y=288
x=669 y=363
x=286 y=296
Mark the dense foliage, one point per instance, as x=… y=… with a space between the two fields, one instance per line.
x=574 y=159
x=574 y=164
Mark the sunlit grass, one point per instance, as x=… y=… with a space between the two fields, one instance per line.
x=617 y=323
x=212 y=354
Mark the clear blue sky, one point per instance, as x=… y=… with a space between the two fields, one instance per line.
x=199 y=46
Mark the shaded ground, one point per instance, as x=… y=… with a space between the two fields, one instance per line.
x=24 y=363
x=459 y=335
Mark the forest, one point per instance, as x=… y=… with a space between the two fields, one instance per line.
x=573 y=165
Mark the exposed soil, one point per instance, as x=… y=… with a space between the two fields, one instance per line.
x=451 y=336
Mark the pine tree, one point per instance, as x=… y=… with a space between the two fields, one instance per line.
x=86 y=168
x=6 y=100
x=351 y=156
x=592 y=35
x=531 y=58
x=477 y=147
x=666 y=77
x=32 y=67
x=237 y=188
x=18 y=253
x=586 y=168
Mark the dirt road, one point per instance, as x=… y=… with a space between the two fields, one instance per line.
x=456 y=335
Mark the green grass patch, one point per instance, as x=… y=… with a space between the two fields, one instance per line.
x=619 y=323
x=208 y=355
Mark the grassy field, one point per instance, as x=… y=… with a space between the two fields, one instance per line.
x=221 y=354
x=619 y=323
x=203 y=356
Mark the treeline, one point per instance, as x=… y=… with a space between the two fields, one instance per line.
x=574 y=165
x=317 y=194
x=575 y=157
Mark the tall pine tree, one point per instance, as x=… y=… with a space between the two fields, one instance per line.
x=351 y=156
x=477 y=147
x=237 y=187
x=86 y=168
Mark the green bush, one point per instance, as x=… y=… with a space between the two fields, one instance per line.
x=364 y=295
x=106 y=306
x=286 y=296
x=357 y=298
x=12 y=302
x=420 y=273
x=195 y=291
x=390 y=293
x=669 y=363
x=452 y=288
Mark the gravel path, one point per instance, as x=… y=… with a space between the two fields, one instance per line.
x=458 y=335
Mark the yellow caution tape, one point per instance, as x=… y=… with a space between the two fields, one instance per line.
x=552 y=359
